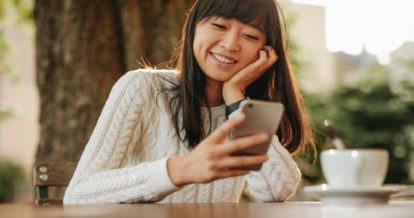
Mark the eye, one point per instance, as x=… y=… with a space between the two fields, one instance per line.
x=219 y=26
x=251 y=37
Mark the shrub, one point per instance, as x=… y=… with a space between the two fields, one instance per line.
x=11 y=175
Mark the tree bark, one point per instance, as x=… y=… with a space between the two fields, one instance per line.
x=82 y=48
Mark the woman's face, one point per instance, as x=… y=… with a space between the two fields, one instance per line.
x=222 y=47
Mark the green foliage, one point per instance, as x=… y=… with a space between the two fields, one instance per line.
x=4 y=48
x=22 y=7
x=11 y=175
x=6 y=112
x=5 y=69
x=375 y=110
x=298 y=62
x=24 y=12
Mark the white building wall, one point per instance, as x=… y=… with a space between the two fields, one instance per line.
x=309 y=32
x=19 y=134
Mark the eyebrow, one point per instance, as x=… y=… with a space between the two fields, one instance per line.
x=255 y=24
x=256 y=27
x=251 y=24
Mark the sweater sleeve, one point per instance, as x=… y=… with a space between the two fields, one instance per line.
x=278 y=178
x=101 y=177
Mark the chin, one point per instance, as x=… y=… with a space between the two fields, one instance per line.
x=223 y=79
x=218 y=79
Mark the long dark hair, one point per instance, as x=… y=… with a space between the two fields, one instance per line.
x=279 y=81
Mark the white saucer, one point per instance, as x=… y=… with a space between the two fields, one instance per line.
x=405 y=195
x=362 y=195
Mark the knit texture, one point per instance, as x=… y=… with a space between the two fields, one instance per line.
x=126 y=157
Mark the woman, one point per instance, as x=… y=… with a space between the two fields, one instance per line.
x=162 y=135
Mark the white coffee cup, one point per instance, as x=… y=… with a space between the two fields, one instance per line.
x=355 y=168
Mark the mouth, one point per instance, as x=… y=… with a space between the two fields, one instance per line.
x=223 y=59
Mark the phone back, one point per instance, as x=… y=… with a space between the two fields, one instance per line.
x=261 y=117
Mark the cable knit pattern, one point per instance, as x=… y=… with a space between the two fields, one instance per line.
x=278 y=178
x=125 y=158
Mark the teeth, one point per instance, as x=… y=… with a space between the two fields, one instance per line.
x=223 y=59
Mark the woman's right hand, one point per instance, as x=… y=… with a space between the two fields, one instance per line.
x=212 y=159
x=234 y=88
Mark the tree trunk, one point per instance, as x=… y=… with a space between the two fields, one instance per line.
x=82 y=48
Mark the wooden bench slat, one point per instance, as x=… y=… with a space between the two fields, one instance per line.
x=51 y=174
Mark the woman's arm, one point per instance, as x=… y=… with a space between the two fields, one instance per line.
x=278 y=178
x=101 y=175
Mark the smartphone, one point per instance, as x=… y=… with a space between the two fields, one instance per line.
x=261 y=117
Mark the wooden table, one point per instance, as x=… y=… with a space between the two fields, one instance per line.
x=227 y=210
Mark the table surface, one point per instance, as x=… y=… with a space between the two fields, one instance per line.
x=403 y=209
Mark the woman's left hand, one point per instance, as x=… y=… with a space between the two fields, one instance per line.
x=234 y=89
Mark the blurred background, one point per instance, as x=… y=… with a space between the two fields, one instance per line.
x=58 y=60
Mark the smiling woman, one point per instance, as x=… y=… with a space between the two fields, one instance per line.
x=223 y=47
x=163 y=134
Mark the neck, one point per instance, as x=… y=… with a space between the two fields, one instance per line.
x=214 y=90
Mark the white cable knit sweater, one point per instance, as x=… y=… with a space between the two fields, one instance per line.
x=125 y=158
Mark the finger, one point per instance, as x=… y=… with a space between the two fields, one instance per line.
x=252 y=71
x=242 y=143
x=263 y=56
x=241 y=161
x=224 y=129
x=272 y=56
x=260 y=63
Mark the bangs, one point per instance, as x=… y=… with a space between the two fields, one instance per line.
x=257 y=13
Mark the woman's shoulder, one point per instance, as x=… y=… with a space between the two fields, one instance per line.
x=146 y=80
x=151 y=76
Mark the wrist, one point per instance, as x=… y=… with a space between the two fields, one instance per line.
x=230 y=96
x=233 y=107
x=175 y=171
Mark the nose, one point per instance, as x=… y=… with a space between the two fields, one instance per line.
x=230 y=41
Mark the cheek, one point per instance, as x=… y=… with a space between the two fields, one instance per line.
x=252 y=55
x=200 y=46
x=198 y=38
x=196 y=50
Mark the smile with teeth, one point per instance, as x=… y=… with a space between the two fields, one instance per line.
x=222 y=59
